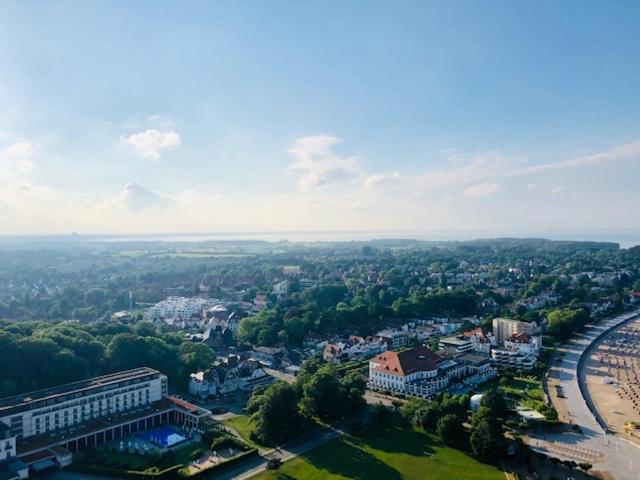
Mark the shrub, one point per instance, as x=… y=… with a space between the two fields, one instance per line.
x=227 y=441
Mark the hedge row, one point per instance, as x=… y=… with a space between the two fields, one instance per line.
x=166 y=474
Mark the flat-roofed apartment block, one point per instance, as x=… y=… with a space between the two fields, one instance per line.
x=50 y=424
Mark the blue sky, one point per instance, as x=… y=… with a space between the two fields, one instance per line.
x=120 y=117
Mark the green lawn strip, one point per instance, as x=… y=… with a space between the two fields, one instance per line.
x=390 y=452
x=242 y=424
x=182 y=455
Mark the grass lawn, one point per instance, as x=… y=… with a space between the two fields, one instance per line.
x=390 y=452
x=242 y=424
x=183 y=455
x=528 y=391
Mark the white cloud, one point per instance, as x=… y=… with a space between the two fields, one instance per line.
x=463 y=171
x=316 y=164
x=384 y=181
x=334 y=191
x=617 y=152
x=557 y=189
x=481 y=190
x=136 y=198
x=15 y=160
x=151 y=142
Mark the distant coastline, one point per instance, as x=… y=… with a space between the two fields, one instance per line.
x=625 y=238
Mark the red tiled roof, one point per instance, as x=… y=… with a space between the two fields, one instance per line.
x=520 y=338
x=332 y=349
x=476 y=331
x=419 y=359
x=183 y=404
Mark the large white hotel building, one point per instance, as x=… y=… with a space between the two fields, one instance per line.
x=48 y=425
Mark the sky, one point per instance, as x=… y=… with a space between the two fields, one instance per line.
x=246 y=116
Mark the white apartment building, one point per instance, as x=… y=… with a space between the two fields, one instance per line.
x=459 y=343
x=50 y=423
x=7 y=443
x=475 y=340
x=504 y=328
x=179 y=308
x=62 y=407
x=519 y=351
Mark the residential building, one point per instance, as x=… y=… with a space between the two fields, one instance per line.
x=281 y=288
x=394 y=338
x=458 y=343
x=519 y=351
x=481 y=341
x=353 y=348
x=291 y=270
x=123 y=316
x=261 y=301
x=539 y=301
x=503 y=328
x=175 y=309
x=475 y=340
x=334 y=353
x=269 y=356
x=308 y=283
x=423 y=373
x=7 y=442
x=228 y=375
x=48 y=425
x=424 y=332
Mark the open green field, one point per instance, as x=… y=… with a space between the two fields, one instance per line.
x=242 y=424
x=390 y=452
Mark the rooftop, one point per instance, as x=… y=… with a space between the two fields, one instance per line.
x=52 y=392
x=461 y=341
x=519 y=338
x=419 y=359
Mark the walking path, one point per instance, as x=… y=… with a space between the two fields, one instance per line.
x=288 y=451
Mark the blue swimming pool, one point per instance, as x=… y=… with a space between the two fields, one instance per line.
x=163 y=436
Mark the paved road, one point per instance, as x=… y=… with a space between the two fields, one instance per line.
x=591 y=443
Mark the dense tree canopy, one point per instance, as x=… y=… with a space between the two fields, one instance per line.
x=564 y=322
x=487 y=439
x=54 y=353
x=275 y=414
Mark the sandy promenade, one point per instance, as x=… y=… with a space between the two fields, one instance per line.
x=612 y=375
